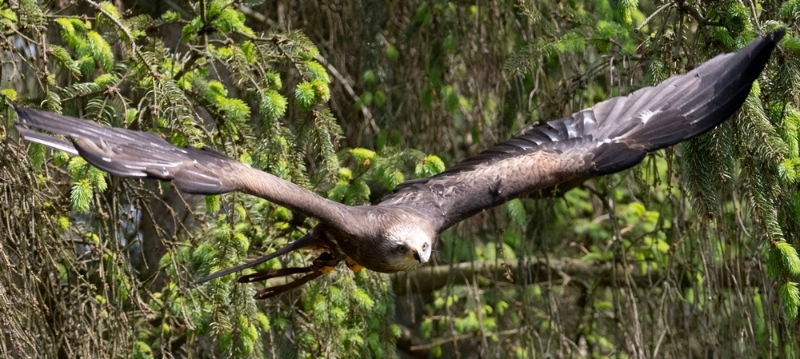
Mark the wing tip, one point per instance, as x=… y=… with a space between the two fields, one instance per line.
x=22 y=114
x=27 y=115
x=777 y=35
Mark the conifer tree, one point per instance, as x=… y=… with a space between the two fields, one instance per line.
x=693 y=251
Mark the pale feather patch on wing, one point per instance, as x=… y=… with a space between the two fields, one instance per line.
x=132 y=167
x=200 y=174
x=144 y=165
x=646 y=115
x=56 y=145
x=49 y=141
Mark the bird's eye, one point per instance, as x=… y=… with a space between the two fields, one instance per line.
x=401 y=248
x=425 y=246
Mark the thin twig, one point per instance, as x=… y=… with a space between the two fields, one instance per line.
x=370 y=121
x=754 y=12
x=647 y=20
x=258 y=16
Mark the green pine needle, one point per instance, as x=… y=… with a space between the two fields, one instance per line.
x=790 y=297
x=212 y=203
x=789 y=257
x=305 y=95
x=81 y=195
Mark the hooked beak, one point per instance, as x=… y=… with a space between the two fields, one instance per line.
x=416 y=255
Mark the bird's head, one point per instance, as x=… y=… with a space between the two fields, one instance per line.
x=407 y=247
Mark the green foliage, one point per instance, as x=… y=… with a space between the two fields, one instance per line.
x=392 y=52
x=363 y=155
x=81 y=195
x=790 y=295
x=142 y=351
x=37 y=153
x=9 y=94
x=169 y=17
x=85 y=180
x=429 y=166
x=62 y=58
x=8 y=18
x=673 y=233
x=305 y=95
x=100 y=50
x=273 y=105
x=212 y=204
x=89 y=46
x=30 y=12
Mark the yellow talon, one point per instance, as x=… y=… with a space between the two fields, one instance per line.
x=327 y=269
x=355 y=267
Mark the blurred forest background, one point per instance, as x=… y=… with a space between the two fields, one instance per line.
x=691 y=254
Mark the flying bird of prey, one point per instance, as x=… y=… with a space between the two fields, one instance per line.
x=398 y=233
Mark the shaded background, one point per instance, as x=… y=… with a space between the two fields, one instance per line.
x=688 y=255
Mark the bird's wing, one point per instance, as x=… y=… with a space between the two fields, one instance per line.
x=609 y=137
x=129 y=153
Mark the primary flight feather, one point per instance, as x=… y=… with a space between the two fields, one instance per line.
x=398 y=233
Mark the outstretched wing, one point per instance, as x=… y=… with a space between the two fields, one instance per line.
x=128 y=153
x=611 y=136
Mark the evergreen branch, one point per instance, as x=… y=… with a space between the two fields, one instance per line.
x=368 y=118
x=134 y=53
x=276 y=40
x=116 y=21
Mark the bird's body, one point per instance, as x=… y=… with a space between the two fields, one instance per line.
x=398 y=233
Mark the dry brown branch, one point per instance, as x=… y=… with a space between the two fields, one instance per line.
x=565 y=270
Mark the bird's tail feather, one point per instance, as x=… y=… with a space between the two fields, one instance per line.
x=299 y=243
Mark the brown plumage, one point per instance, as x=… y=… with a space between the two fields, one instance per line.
x=398 y=233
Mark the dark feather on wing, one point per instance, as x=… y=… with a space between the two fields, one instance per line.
x=611 y=136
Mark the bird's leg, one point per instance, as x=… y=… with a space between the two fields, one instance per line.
x=324 y=264
x=355 y=267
